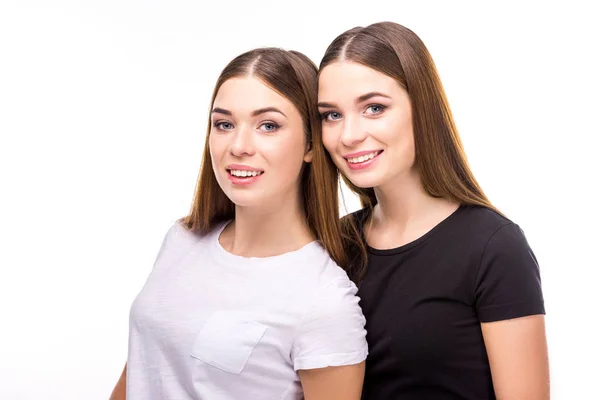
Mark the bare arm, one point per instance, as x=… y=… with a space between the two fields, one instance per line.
x=333 y=383
x=119 y=390
x=518 y=355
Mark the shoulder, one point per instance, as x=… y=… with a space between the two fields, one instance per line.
x=482 y=227
x=179 y=239
x=178 y=235
x=331 y=332
x=325 y=284
x=323 y=271
x=481 y=220
x=482 y=233
x=503 y=247
x=497 y=231
x=508 y=281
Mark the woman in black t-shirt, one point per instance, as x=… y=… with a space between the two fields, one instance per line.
x=449 y=286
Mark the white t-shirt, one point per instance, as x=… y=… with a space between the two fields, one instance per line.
x=215 y=326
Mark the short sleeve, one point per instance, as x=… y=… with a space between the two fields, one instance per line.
x=174 y=245
x=333 y=332
x=508 y=283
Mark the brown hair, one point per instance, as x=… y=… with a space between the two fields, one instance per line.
x=398 y=52
x=294 y=76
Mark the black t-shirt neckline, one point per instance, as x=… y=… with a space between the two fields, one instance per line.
x=416 y=242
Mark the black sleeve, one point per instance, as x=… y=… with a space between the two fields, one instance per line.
x=508 y=282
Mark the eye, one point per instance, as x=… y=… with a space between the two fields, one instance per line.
x=223 y=125
x=269 y=127
x=374 y=109
x=331 y=116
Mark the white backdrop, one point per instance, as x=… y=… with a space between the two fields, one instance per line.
x=103 y=109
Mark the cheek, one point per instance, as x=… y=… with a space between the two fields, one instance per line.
x=285 y=158
x=395 y=131
x=405 y=136
x=329 y=137
x=216 y=146
x=401 y=139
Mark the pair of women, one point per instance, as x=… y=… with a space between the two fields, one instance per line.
x=253 y=294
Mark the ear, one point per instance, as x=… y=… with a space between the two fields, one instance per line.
x=308 y=156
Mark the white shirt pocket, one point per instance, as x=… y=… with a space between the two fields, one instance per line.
x=226 y=340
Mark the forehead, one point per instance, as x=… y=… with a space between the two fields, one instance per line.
x=349 y=79
x=246 y=94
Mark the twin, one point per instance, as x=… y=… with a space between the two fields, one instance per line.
x=263 y=292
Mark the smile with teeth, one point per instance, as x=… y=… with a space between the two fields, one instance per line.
x=244 y=173
x=363 y=158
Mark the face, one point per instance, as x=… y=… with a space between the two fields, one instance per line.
x=257 y=144
x=367 y=124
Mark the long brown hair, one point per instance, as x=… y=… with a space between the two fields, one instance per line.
x=399 y=53
x=294 y=76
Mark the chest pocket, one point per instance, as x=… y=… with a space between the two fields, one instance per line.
x=226 y=341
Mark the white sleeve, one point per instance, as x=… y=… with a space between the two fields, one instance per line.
x=333 y=333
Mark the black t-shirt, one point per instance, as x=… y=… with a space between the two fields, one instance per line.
x=424 y=303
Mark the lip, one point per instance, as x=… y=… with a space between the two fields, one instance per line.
x=360 y=153
x=243 y=181
x=238 y=181
x=242 y=167
x=364 y=164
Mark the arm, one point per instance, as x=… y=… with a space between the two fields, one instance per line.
x=119 y=390
x=510 y=306
x=518 y=356
x=333 y=383
x=330 y=348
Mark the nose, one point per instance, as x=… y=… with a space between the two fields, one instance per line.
x=242 y=144
x=352 y=133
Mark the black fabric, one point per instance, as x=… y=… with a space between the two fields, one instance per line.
x=424 y=303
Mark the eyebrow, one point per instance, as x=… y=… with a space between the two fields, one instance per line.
x=254 y=113
x=359 y=99
x=369 y=95
x=323 y=104
x=221 y=111
x=266 y=110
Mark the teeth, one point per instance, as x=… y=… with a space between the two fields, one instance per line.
x=243 y=173
x=363 y=158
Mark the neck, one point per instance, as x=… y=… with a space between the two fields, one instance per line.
x=405 y=209
x=267 y=231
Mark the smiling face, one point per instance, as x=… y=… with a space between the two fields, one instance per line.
x=257 y=144
x=367 y=124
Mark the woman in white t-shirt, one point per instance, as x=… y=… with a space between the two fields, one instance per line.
x=246 y=299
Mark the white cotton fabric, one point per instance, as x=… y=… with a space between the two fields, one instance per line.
x=212 y=325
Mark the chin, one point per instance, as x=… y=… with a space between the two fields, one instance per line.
x=364 y=183
x=243 y=199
